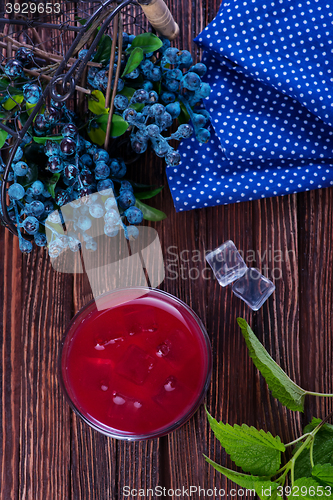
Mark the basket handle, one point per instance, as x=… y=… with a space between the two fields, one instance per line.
x=160 y=17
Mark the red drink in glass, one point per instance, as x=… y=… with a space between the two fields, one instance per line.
x=135 y=367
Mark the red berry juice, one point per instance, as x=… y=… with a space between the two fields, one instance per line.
x=139 y=368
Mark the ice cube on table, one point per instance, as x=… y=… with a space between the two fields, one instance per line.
x=226 y=263
x=253 y=288
x=135 y=365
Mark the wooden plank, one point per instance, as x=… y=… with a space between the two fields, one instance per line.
x=315 y=216
x=44 y=416
x=11 y=355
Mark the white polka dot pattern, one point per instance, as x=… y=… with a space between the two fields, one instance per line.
x=271 y=106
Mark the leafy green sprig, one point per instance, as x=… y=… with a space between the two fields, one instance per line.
x=309 y=473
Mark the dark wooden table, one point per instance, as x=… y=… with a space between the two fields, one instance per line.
x=47 y=453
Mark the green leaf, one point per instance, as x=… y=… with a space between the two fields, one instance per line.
x=305 y=488
x=97 y=135
x=324 y=473
x=51 y=184
x=96 y=104
x=148 y=42
x=257 y=452
x=29 y=107
x=42 y=140
x=282 y=387
x=12 y=102
x=3 y=137
x=118 y=126
x=150 y=213
x=133 y=61
x=261 y=485
x=322 y=449
x=103 y=53
x=184 y=117
x=128 y=92
x=146 y=195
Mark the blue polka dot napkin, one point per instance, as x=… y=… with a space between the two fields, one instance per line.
x=271 y=105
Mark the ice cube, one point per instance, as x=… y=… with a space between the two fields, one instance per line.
x=177 y=349
x=163 y=349
x=137 y=321
x=253 y=288
x=135 y=365
x=227 y=263
x=172 y=394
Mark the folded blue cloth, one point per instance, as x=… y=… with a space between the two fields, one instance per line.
x=271 y=105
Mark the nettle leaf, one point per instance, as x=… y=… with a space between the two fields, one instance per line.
x=103 y=53
x=282 y=387
x=42 y=140
x=324 y=473
x=150 y=213
x=148 y=42
x=305 y=488
x=146 y=195
x=322 y=449
x=257 y=452
x=51 y=184
x=12 y=102
x=96 y=104
x=3 y=137
x=134 y=60
x=261 y=485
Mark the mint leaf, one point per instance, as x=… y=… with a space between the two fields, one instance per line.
x=257 y=452
x=261 y=485
x=133 y=61
x=322 y=450
x=306 y=488
x=150 y=213
x=323 y=473
x=282 y=387
x=148 y=42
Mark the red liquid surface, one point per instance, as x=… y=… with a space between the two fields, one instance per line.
x=138 y=367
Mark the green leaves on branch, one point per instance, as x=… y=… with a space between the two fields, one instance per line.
x=96 y=105
x=282 y=387
x=134 y=60
x=103 y=53
x=150 y=213
x=257 y=452
x=148 y=42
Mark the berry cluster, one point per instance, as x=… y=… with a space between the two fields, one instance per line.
x=72 y=172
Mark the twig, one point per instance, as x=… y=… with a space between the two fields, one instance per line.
x=112 y=59
x=120 y=49
x=48 y=78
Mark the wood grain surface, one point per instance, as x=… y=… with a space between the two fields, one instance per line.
x=47 y=453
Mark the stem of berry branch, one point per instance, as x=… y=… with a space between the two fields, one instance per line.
x=48 y=78
x=112 y=59
x=115 y=84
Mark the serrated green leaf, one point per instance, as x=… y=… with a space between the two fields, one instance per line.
x=148 y=42
x=51 y=184
x=96 y=104
x=3 y=137
x=42 y=140
x=282 y=387
x=305 y=488
x=103 y=53
x=133 y=61
x=322 y=450
x=257 y=452
x=324 y=473
x=12 y=102
x=146 y=195
x=261 y=485
x=150 y=213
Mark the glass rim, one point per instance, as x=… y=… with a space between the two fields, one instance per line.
x=123 y=435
